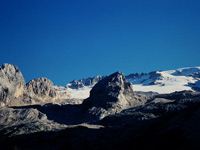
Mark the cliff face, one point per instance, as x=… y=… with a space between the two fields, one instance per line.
x=25 y=121
x=12 y=84
x=111 y=90
x=111 y=95
x=14 y=91
x=44 y=90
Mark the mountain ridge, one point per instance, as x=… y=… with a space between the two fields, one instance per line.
x=42 y=90
x=156 y=81
x=15 y=92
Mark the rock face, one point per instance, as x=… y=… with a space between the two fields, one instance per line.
x=15 y=92
x=156 y=106
x=12 y=84
x=111 y=95
x=44 y=90
x=25 y=121
x=155 y=75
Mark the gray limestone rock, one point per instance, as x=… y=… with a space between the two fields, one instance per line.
x=25 y=121
x=12 y=84
x=43 y=89
x=40 y=88
x=15 y=92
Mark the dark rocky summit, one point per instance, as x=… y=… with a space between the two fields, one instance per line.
x=111 y=95
x=111 y=90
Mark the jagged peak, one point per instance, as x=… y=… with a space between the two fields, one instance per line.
x=109 y=83
x=43 y=79
x=90 y=81
x=110 y=89
x=9 y=68
x=6 y=65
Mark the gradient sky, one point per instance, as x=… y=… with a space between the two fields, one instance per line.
x=72 y=39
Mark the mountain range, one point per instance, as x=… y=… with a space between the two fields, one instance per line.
x=157 y=81
x=42 y=90
x=156 y=110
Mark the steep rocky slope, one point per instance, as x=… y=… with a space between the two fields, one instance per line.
x=25 y=121
x=15 y=92
x=43 y=90
x=12 y=85
x=111 y=95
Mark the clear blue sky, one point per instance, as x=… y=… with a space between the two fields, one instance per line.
x=72 y=39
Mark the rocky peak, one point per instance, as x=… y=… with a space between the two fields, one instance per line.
x=111 y=95
x=14 y=91
x=12 y=84
x=155 y=75
x=39 y=87
x=11 y=73
x=112 y=86
x=76 y=84
x=135 y=75
x=43 y=89
x=132 y=76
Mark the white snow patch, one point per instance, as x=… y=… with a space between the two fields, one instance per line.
x=168 y=84
x=162 y=100
x=81 y=93
x=183 y=71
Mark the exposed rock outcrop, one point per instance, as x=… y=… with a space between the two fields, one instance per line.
x=44 y=90
x=155 y=75
x=15 y=92
x=25 y=121
x=111 y=95
x=12 y=84
x=157 y=106
x=159 y=124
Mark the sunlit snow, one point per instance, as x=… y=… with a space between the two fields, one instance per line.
x=80 y=93
x=171 y=81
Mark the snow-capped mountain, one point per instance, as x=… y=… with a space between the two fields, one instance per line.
x=42 y=91
x=168 y=81
x=156 y=81
x=80 y=89
x=76 y=84
x=113 y=117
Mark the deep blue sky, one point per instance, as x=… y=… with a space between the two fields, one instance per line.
x=72 y=39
